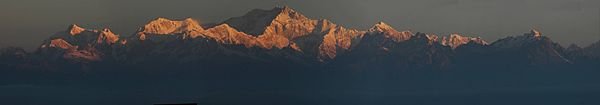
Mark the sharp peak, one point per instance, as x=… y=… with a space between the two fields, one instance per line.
x=291 y=13
x=535 y=32
x=272 y=13
x=284 y=9
x=381 y=23
x=74 y=29
x=382 y=26
x=190 y=20
x=74 y=26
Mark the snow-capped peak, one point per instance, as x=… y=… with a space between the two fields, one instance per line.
x=518 y=41
x=381 y=27
x=285 y=9
x=60 y=43
x=535 y=33
x=107 y=36
x=286 y=13
x=457 y=40
x=390 y=32
x=163 y=26
x=257 y=21
x=74 y=29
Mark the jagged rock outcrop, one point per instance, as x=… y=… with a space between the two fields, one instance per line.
x=107 y=36
x=456 y=40
x=535 y=33
x=389 y=32
x=80 y=36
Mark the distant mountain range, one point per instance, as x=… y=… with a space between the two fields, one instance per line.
x=281 y=57
x=286 y=38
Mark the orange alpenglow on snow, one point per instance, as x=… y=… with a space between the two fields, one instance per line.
x=74 y=29
x=278 y=28
x=457 y=40
x=390 y=32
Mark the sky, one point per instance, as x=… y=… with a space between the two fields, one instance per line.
x=26 y=23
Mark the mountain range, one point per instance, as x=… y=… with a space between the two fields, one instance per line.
x=281 y=57
x=284 y=37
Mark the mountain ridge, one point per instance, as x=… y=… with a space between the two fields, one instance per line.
x=282 y=34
